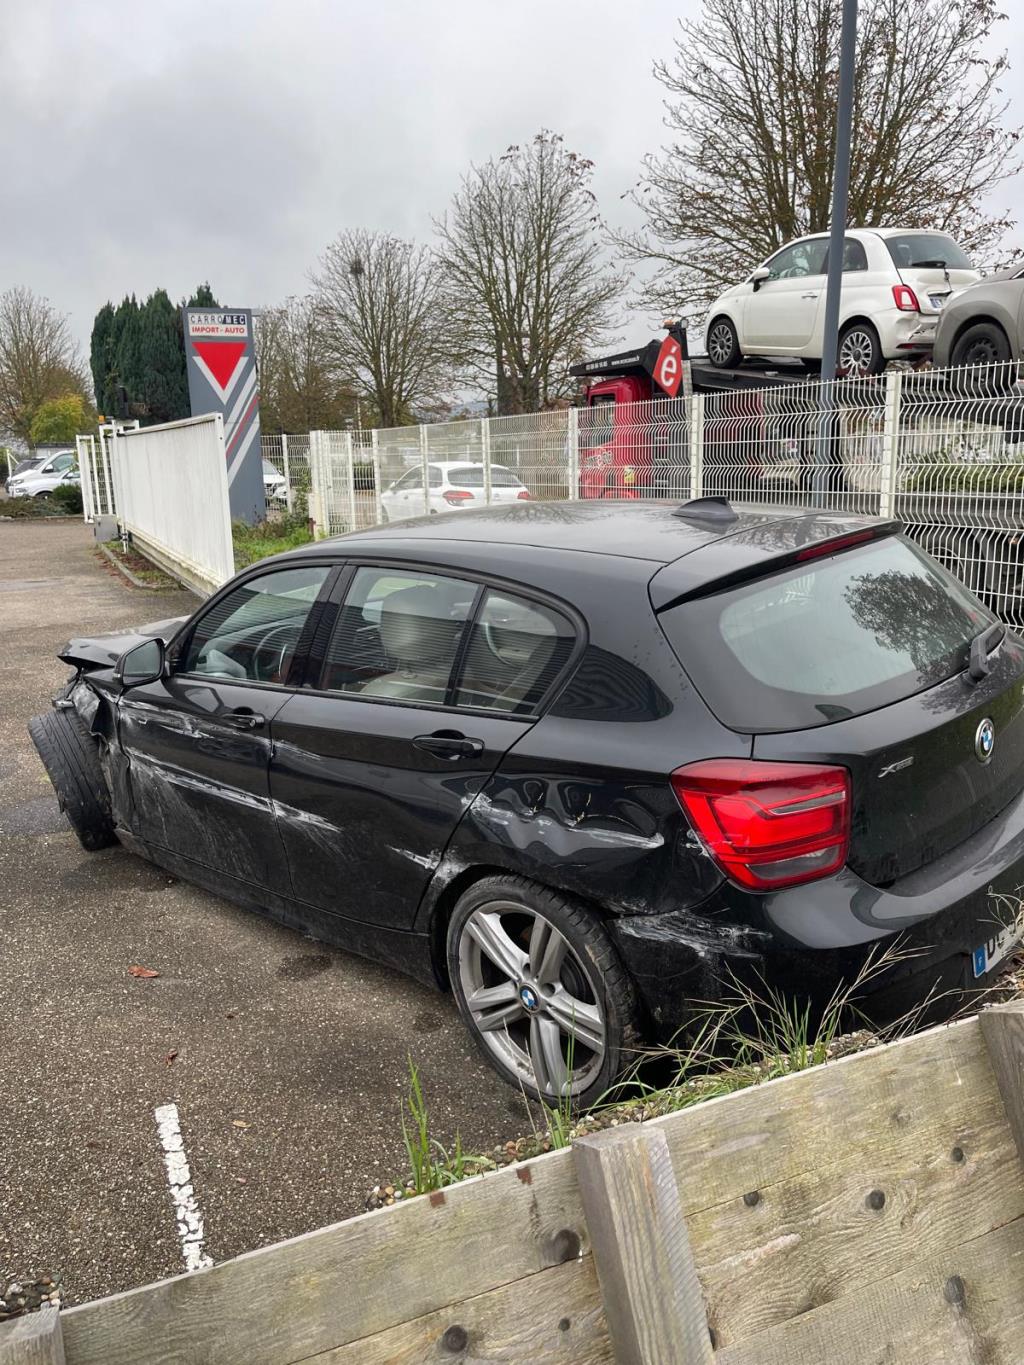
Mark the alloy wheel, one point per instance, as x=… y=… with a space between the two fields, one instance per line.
x=531 y=999
x=720 y=343
x=856 y=352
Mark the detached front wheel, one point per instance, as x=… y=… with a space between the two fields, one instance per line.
x=72 y=763
x=539 y=985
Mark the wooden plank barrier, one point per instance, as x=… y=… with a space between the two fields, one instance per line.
x=865 y=1212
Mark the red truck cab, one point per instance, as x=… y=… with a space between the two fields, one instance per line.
x=618 y=438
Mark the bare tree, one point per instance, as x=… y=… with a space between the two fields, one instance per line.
x=300 y=386
x=752 y=105
x=382 y=322
x=528 y=286
x=38 y=360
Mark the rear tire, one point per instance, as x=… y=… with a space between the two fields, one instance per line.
x=72 y=762
x=723 y=344
x=533 y=1005
x=860 y=351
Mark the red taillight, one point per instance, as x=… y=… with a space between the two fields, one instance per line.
x=454 y=497
x=905 y=299
x=768 y=825
x=524 y=496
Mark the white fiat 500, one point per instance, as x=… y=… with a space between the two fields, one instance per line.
x=895 y=281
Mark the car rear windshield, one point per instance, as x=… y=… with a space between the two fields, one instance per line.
x=472 y=476
x=826 y=640
x=933 y=249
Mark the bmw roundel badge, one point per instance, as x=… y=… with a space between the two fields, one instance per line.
x=985 y=740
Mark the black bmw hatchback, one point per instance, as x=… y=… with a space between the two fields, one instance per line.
x=578 y=762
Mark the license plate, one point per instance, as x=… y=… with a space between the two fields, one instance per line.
x=996 y=948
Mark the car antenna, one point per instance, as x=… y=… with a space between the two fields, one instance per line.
x=707 y=509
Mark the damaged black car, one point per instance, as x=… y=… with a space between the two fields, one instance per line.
x=580 y=763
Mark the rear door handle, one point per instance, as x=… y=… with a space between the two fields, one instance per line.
x=808 y=296
x=449 y=744
x=244 y=719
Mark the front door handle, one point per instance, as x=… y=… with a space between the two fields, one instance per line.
x=808 y=296
x=449 y=744
x=244 y=718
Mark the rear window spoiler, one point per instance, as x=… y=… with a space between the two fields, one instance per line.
x=749 y=555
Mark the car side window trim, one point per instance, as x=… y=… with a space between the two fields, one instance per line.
x=483 y=583
x=181 y=643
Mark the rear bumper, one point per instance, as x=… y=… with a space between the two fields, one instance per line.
x=901 y=334
x=810 y=939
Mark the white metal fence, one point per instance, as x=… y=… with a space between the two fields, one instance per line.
x=942 y=450
x=171 y=493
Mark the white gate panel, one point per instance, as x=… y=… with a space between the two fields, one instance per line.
x=171 y=492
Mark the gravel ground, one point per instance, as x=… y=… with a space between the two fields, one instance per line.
x=286 y=1058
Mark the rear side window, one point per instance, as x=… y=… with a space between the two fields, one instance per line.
x=828 y=640
x=516 y=650
x=398 y=635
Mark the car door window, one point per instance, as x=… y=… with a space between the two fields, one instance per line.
x=62 y=462
x=398 y=635
x=854 y=256
x=251 y=633
x=516 y=650
x=798 y=260
x=436 y=477
x=408 y=482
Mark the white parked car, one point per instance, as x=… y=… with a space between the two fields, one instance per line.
x=451 y=484
x=274 y=485
x=41 y=476
x=895 y=281
x=40 y=482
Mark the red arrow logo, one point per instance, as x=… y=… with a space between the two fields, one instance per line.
x=220 y=358
x=668 y=368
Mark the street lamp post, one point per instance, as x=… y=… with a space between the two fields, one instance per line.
x=827 y=433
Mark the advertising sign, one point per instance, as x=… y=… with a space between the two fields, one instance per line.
x=222 y=378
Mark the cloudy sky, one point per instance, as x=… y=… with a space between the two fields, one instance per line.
x=157 y=143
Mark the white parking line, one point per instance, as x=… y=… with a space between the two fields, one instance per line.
x=190 y=1220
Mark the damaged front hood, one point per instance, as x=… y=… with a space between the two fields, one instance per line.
x=103 y=651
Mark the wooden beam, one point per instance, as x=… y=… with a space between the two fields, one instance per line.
x=652 y=1297
x=551 y=1318
x=964 y=1306
x=34 y=1339
x=1002 y=1028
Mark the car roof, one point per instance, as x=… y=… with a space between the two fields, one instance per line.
x=643 y=529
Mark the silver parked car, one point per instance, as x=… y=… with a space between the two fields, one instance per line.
x=983 y=323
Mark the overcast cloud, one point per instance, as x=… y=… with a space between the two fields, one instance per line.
x=156 y=143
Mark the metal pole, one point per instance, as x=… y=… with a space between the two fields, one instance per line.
x=840 y=199
x=287 y=473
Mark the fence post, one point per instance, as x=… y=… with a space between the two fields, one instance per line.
x=318 y=488
x=697 y=446
x=378 y=506
x=890 y=442
x=485 y=452
x=350 y=472
x=34 y=1339
x=85 y=473
x=424 y=459
x=287 y=473
x=652 y=1298
x=572 y=441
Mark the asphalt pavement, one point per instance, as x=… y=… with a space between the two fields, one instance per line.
x=286 y=1058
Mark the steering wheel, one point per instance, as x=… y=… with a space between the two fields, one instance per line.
x=276 y=672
